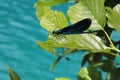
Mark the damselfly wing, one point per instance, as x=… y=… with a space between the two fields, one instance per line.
x=77 y=28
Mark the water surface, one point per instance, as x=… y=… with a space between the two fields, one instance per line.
x=19 y=30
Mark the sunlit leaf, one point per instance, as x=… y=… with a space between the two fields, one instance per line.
x=117 y=8
x=54 y=20
x=46 y=47
x=97 y=9
x=13 y=75
x=113 y=19
x=40 y=11
x=80 y=41
x=41 y=3
x=86 y=41
x=83 y=74
x=62 y=79
x=93 y=9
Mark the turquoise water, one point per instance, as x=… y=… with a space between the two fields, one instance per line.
x=19 y=30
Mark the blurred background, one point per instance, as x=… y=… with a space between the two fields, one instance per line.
x=19 y=31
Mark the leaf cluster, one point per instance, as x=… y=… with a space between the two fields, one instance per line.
x=105 y=16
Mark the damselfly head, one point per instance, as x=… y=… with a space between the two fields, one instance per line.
x=57 y=32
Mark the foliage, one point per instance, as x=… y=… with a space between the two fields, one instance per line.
x=89 y=73
x=62 y=79
x=13 y=75
x=105 y=16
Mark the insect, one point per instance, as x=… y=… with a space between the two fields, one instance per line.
x=77 y=28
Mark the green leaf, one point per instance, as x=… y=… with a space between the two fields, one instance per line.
x=97 y=9
x=86 y=58
x=62 y=79
x=92 y=57
x=107 y=65
x=114 y=74
x=117 y=8
x=78 y=41
x=94 y=73
x=41 y=11
x=54 y=20
x=85 y=42
x=55 y=62
x=113 y=19
x=42 y=3
x=83 y=74
x=93 y=9
x=46 y=46
x=89 y=73
x=66 y=52
x=69 y=51
x=13 y=75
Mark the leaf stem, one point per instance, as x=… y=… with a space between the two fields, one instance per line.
x=111 y=44
x=115 y=49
